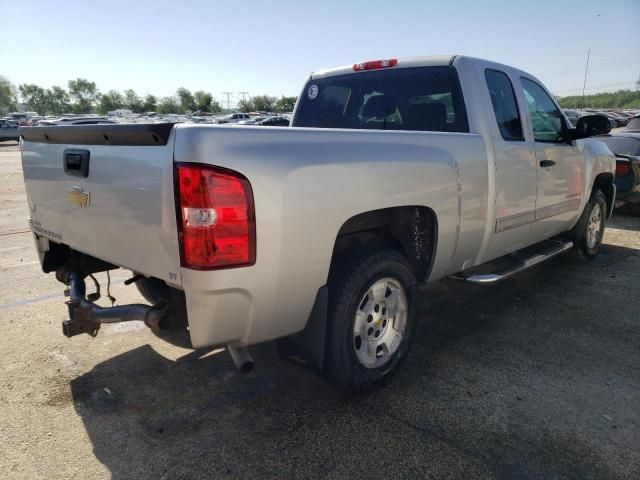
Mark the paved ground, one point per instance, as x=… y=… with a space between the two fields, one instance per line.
x=536 y=378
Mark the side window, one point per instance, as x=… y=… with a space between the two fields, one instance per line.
x=505 y=106
x=546 y=119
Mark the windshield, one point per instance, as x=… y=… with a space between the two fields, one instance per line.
x=622 y=145
x=419 y=99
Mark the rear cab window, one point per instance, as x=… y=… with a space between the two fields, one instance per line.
x=414 y=99
x=505 y=106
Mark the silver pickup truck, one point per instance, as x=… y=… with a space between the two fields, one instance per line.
x=394 y=173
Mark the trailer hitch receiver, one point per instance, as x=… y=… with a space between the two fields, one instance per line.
x=87 y=317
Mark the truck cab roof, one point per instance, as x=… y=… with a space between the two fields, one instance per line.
x=416 y=61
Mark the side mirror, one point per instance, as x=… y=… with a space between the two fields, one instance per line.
x=592 y=125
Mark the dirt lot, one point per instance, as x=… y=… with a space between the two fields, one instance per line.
x=536 y=378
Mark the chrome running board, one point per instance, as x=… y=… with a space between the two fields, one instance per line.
x=557 y=248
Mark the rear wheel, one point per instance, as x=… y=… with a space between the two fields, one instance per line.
x=154 y=290
x=371 y=320
x=589 y=230
x=173 y=327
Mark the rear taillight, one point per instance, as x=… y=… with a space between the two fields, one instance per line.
x=622 y=169
x=217 y=219
x=375 y=64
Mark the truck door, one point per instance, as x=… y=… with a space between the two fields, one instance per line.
x=560 y=164
x=515 y=167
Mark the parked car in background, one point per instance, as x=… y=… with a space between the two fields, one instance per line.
x=621 y=120
x=251 y=121
x=8 y=131
x=88 y=120
x=634 y=124
x=19 y=118
x=233 y=118
x=274 y=122
x=626 y=147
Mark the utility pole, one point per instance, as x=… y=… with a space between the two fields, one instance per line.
x=586 y=70
x=244 y=94
x=228 y=94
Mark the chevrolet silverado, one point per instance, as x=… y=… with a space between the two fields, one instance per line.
x=394 y=173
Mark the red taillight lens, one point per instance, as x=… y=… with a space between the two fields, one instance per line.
x=217 y=220
x=375 y=64
x=622 y=169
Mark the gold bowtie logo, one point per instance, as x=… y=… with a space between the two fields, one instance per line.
x=78 y=197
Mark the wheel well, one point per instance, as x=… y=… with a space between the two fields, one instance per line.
x=410 y=230
x=604 y=182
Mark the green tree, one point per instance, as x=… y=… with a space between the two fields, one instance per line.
x=264 y=103
x=169 y=105
x=150 y=103
x=132 y=101
x=286 y=104
x=215 y=107
x=187 y=102
x=57 y=101
x=246 y=105
x=35 y=97
x=8 y=95
x=202 y=101
x=619 y=99
x=112 y=100
x=84 y=93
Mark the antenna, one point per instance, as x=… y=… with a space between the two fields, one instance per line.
x=228 y=94
x=586 y=70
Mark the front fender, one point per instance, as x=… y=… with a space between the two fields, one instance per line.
x=598 y=161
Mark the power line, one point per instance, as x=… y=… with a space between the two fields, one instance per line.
x=586 y=70
x=228 y=94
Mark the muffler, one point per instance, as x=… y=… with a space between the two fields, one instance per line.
x=86 y=316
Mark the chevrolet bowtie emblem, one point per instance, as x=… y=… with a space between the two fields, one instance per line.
x=78 y=197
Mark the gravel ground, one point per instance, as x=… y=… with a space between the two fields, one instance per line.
x=536 y=378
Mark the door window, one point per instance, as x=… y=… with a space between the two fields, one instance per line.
x=505 y=107
x=546 y=119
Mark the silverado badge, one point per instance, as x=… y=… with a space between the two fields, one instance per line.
x=79 y=197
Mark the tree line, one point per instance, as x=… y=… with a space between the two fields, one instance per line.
x=619 y=99
x=83 y=96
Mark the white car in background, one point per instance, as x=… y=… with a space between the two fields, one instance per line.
x=233 y=118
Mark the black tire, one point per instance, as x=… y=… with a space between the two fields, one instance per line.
x=346 y=289
x=154 y=290
x=582 y=249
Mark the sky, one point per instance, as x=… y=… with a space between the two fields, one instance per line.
x=269 y=47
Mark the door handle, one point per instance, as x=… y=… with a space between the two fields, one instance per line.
x=547 y=163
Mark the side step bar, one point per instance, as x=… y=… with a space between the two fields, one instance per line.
x=558 y=248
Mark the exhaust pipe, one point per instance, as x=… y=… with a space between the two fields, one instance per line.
x=86 y=316
x=241 y=358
